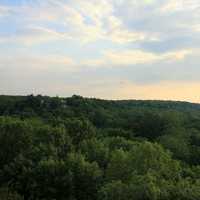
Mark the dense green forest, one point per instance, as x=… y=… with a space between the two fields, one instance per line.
x=78 y=148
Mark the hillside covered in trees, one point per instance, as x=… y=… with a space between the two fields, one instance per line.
x=78 y=148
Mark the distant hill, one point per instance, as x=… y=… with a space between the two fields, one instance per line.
x=6 y=102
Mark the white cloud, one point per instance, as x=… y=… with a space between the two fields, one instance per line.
x=38 y=63
x=154 y=40
x=180 y=5
x=33 y=35
x=134 y=57
x=4 y=11
x=86 y=21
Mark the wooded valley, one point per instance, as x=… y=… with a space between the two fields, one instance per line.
x=79 y=148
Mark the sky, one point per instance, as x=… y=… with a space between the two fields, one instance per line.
x=111 y=49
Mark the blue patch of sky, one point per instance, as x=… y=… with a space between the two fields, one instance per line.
x=13 y=2
x=8 y=27
x=171 y=44
x=88 y=20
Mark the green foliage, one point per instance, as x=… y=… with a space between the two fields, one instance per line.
x=115 y=190
x=86 y=177
x=95 y=150
x=119 y=167
x=6 y=194
x=54 y=179
x=15 y=138
x=148 y=157
x=89 y=149
x=79 y=130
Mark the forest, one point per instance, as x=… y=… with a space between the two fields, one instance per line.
x=77 y=148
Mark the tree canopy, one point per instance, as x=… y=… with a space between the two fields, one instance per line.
x=78 y=148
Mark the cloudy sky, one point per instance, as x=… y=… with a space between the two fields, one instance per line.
x=113 y=49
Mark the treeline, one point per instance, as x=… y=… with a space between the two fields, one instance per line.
x=89 y=149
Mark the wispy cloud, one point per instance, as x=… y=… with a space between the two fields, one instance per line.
x=37 y=63
x=86 y=21
x=134 y=57
x=4 y=11
x=66 y=45
x=180 y=5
